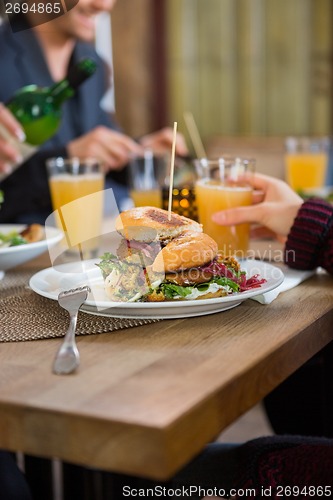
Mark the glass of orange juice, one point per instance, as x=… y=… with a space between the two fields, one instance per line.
x=147 y=177
x=306 y=160
x=224 y=183
x=77 y=194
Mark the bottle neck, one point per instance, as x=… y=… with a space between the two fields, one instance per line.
x=61 y=91
x=76 y=75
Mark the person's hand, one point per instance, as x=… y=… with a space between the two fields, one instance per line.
x=161 y=142
x=275 y=207
x=113 y=149
x=8 y=152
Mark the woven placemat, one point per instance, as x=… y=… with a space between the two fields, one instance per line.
x=24 y=315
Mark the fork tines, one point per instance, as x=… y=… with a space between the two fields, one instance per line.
x=84 y=288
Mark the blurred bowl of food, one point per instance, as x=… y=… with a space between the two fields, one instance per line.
x=20 y=243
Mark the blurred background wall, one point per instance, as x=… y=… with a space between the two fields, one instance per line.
x=135 y=38
x=242 y=67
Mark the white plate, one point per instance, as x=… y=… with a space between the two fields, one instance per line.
x=14 y=256
x=51 y=281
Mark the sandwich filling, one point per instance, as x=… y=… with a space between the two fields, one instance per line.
x=130 y=279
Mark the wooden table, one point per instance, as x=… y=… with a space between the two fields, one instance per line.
x=146 y=400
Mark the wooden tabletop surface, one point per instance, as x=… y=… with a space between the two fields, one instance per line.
x=146 y=400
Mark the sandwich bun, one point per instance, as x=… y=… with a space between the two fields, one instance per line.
x=188 y=250
x=147 y=224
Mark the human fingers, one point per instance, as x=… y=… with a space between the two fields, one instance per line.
x=119 y=148
x=240 y=215
x=272 y=189
x=161 y=141
x=266 y=185
x=5 y=167
x=111 y=148
x=121 y=140
x=258 y=196
x=181 y=146
x=261 y=182
x=10 y=123
x=8 y=154
x=87 y=147
x=276 y=216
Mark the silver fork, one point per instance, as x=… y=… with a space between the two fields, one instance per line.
x=68 y=358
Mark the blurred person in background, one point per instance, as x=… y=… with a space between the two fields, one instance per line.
x=42 y=55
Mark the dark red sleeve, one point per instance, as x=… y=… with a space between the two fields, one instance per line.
x=310 y=241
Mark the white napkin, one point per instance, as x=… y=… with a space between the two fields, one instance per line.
x=292 y=278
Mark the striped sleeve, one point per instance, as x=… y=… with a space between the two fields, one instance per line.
x=310 y=241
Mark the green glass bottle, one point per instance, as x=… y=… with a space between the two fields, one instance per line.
x=38 y=109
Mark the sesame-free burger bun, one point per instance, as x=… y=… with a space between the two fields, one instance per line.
x=149 y=223
x=188 y=250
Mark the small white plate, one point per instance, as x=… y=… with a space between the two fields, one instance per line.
x=51 y=281
x=14 y=256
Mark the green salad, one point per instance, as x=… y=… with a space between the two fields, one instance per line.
x=11 y=239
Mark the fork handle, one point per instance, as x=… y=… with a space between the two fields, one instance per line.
x=70 y=334
x=67 y=358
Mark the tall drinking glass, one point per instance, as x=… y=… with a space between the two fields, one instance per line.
x=221 y=184
x=306 y=160
x=77 y=193
x=147 y=177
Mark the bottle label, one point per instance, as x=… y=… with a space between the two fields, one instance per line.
x=24 y=149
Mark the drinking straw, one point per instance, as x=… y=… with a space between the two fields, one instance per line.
x=194 y=135
x=172 y=168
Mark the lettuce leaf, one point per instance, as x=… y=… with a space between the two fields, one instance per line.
x=109 y=261
x=172 y=291
x=226 y=282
